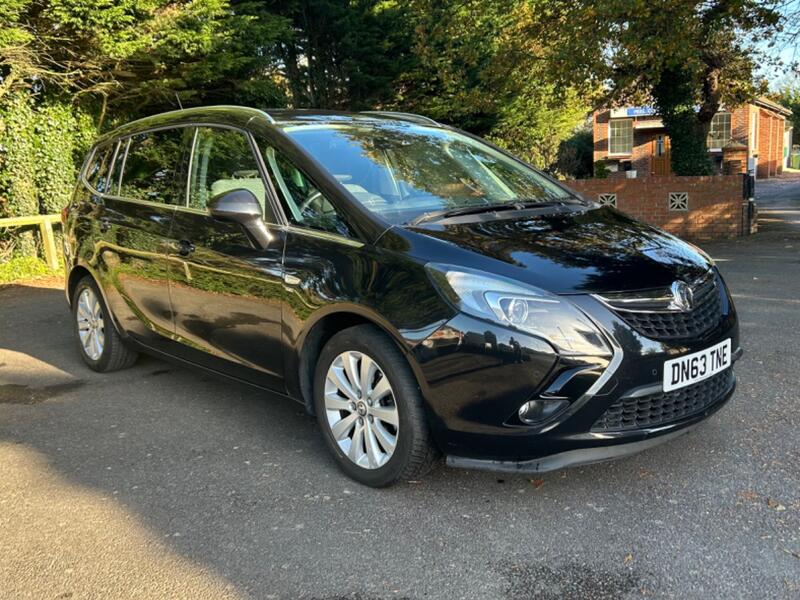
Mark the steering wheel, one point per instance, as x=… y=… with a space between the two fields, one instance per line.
x=304 y=206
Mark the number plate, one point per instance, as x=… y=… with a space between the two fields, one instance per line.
x=689 y=369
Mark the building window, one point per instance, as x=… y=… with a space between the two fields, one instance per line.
x=660 y=147
x=720 y=132
x=620 y=136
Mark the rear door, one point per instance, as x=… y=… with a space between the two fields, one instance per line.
x=134 y=231
x=226 y=293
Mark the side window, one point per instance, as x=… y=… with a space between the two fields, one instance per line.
x=305 y=205
x=150 y=167
x=222 y=160
x=97 y=170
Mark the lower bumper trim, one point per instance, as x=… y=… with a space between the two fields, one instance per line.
x=571 y=458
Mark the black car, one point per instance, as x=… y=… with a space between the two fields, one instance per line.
x=416 y=288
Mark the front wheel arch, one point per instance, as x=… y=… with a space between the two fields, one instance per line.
x=323 y=329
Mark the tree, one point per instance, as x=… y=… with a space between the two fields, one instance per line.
x=476 y=67
x=138 y=55
x=789 y=96
x=66 y=65
x=687 y=56
x=576 y=154
x=342 y=54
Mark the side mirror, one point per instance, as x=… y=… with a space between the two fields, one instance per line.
x=241 y=206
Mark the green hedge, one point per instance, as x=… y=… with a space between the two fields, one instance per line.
x=42 y=144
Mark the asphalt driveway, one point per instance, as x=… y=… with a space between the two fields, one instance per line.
x=161 y=482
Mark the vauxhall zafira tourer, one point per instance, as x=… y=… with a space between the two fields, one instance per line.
x=419 y=290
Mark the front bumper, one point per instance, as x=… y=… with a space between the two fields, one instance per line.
x=476 y=375
x=562 y=460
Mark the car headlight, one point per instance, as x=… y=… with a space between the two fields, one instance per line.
x=521 y=306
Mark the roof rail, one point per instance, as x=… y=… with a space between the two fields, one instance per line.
x=133 y=126
x=403 y=115
x=263 y=113
x=266 y=114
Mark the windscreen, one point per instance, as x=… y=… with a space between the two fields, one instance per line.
x=402 y=171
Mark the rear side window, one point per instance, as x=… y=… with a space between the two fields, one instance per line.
x=150 y=167
x=98 y=169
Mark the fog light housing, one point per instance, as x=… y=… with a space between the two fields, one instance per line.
x=538 y=411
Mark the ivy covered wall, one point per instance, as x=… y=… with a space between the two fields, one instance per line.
x=41 y=148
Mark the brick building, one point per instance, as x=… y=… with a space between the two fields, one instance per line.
x=634 y=138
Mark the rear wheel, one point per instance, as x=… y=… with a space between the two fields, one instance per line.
x=99 y=345
x=370 y=409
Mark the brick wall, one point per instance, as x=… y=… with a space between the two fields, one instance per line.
x=714 y=203
x=740 y=124
x=763 y=149
x=780 y=128
x=770 y=143
x=642 y=150
x=600 y=134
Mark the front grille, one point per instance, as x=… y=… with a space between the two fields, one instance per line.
x=706 y=314
x=664 y=407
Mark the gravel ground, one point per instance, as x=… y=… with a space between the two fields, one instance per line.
x=163 y=482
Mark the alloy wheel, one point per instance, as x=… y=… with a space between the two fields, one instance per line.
x=361 y=409
x=91 y=327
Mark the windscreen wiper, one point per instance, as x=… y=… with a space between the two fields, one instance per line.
x=484 y=208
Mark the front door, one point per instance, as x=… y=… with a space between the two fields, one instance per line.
x=226 y=293
x=660 y=155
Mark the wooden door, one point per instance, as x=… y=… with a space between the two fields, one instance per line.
x=659 y=155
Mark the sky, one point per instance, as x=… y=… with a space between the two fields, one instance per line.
x=786 y=49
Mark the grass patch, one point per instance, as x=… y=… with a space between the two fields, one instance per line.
x=25 y=267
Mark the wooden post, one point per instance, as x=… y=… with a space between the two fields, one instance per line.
x=49 y=243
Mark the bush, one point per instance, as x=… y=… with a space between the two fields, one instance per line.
x=24 y=267
x=42 y=144
x=534 y=125
x=601 y=171
x=575 y=155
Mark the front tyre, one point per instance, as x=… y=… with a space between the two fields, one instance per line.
x=99 y=344
x=370 y=409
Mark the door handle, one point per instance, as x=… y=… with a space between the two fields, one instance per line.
x=185 y=247
x=105 y=224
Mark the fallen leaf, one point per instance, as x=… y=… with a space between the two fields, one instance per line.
x=537 y=483
x=748 y=495
x=628 y=558
x=772 y=503
x=790 y=553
